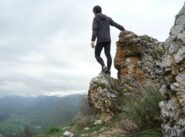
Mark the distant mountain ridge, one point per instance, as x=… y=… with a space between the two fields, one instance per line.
x=42 y=111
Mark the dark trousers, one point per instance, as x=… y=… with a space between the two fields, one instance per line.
x=98 y=49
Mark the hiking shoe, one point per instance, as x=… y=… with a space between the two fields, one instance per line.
x=104 y=69
x=108 y=72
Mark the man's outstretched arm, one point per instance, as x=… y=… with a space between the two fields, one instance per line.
x=112 y=23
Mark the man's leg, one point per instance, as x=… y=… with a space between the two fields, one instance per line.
x=98 y=49
x=107 y=48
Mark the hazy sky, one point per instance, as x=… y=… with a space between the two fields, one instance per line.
x=45 y=44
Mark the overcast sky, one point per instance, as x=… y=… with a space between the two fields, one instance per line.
x=45 y=44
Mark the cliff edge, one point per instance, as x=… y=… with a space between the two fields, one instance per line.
x=137 y=61
x=143 y=61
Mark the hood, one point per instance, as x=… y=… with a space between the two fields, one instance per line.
x=101 y=17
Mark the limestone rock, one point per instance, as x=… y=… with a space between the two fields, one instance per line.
x=98 y=122
x=103 y=96
x=173 y=62
x=142 y=61
x=180 y=56
x=68 y=134
x=138 y=63
x=138 y=57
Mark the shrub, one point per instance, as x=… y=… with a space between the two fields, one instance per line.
x=144 y=110
x=53 y=130
x=83 y=121
x=149 y=133
x=85 y=117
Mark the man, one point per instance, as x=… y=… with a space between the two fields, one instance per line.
x=101 y=33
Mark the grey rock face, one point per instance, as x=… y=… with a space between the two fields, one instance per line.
x=103 y=96
x=173 y=109
x=180 y=55
x=68 y=134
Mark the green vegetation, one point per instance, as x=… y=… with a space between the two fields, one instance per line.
x=14 y=124
x=84 y=119
x=82 y=124
x=92 y=130
x=37 y=113
x=53 y=131
x=140 y=118
x=148 y=133
x=144 y=112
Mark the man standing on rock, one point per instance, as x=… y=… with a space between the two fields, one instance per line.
x=101 y=33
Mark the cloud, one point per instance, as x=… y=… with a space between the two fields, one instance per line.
x=44 y=45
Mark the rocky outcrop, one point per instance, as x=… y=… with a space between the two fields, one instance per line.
x=137 y=61
x=104 y=96
x=173 y=109
x=142 y=61
x=138 y=58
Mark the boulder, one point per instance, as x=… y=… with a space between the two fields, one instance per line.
x=67 y=134
x=103 y=96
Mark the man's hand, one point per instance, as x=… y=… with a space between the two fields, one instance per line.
x=93 y=44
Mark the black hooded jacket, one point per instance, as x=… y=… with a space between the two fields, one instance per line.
x=101 y=28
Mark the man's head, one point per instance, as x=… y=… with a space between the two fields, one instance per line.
x=97 y=9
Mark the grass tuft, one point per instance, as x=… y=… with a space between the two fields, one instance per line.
x=144 y=110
